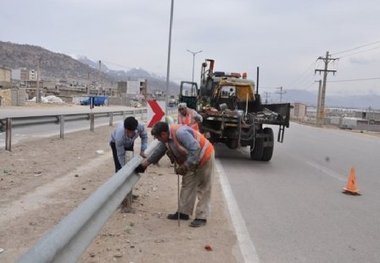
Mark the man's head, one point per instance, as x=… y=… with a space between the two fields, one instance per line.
x=182 y=108
x=130 y=125
x=160 y=131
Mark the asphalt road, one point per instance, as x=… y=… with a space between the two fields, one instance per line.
x=293 y=206
x=21 y=133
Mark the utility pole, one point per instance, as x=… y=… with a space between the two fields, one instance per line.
x=38 y=95
x=266 y=94
x=325 y=71
x=318 y=117
x=281 y=92
x=88 y=83
x=100 y=68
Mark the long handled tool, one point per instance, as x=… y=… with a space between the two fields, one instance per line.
x=179 y=220
x=178 y=213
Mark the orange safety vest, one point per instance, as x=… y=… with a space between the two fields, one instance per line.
x=187 y=119
x=206 y=147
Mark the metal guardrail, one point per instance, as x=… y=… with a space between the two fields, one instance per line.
x=59 y=119
x=68 y=240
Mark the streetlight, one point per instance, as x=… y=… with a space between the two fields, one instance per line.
x=168 y=65
x=193 y=53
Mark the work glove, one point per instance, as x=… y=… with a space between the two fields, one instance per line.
x=182 y=169
x=171 y=156
x=140 y=169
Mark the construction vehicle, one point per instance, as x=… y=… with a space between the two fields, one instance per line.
x=233 y=113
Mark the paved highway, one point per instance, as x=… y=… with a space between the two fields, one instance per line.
x=21 y=133
x=293 y=207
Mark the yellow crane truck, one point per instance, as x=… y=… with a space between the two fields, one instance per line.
x=233 y=113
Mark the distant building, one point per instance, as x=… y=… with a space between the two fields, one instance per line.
x=20 y=74
x=5 y=77
x=33 y=75
x=132 y=88
x=298 y=111
x=122 y=88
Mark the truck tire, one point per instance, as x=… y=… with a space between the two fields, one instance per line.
x=268 y=144
x=232 y=143
x=258 y=150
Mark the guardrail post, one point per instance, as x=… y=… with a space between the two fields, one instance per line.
x=67 y=241
x=142 y=115
x=61 y=126
x=92 y=122
x=8 y=134
x=123 y=115
x=111 y=118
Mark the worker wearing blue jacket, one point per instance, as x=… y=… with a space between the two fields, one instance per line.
x=123 y=138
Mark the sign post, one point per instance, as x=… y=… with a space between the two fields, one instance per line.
x=157 y=113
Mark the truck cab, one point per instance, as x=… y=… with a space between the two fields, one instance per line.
x=188 y=93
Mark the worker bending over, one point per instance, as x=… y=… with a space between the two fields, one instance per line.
x=123 y=138
x=193 y=155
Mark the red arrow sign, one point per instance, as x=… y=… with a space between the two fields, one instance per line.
x=158 y=113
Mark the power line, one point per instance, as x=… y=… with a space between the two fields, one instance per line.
x=366 y=50
x=303 y=75
x=351 y=49
x=348 y=80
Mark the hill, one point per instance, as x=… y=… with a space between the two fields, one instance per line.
x=348 y=101
x=56 y=66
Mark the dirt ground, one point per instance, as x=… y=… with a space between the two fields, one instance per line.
x=41 y=181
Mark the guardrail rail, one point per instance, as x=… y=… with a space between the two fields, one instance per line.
x=60 y=119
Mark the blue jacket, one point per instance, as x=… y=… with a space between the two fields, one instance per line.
x=123 y=142
x=186 y=138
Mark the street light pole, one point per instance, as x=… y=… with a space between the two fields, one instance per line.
x=193 y=53
x=168 y=65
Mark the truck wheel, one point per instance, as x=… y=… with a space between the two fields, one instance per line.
x=268 y=145
x=233 y=143
x=257 y=152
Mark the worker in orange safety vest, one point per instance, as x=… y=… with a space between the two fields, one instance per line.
x=188 y=116
x=194 y=157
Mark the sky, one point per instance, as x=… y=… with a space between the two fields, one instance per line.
x=283 y=38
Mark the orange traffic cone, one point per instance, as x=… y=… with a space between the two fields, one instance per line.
x=351 y=187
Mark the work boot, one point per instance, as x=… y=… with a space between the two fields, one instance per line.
x=175 y=216
x=198 y=222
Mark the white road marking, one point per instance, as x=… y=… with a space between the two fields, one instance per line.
x=247 y=248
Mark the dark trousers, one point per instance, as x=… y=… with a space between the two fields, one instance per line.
x=114 y=154
x=126 y=204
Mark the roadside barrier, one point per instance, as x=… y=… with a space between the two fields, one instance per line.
x=60 y=119
x=67 y=240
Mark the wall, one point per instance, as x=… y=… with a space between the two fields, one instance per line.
x=5 y=77
x=13 y=97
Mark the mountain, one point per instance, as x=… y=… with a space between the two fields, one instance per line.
x=310 y=98
x=154 y=82
x=56 y=66
x=53 y=66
